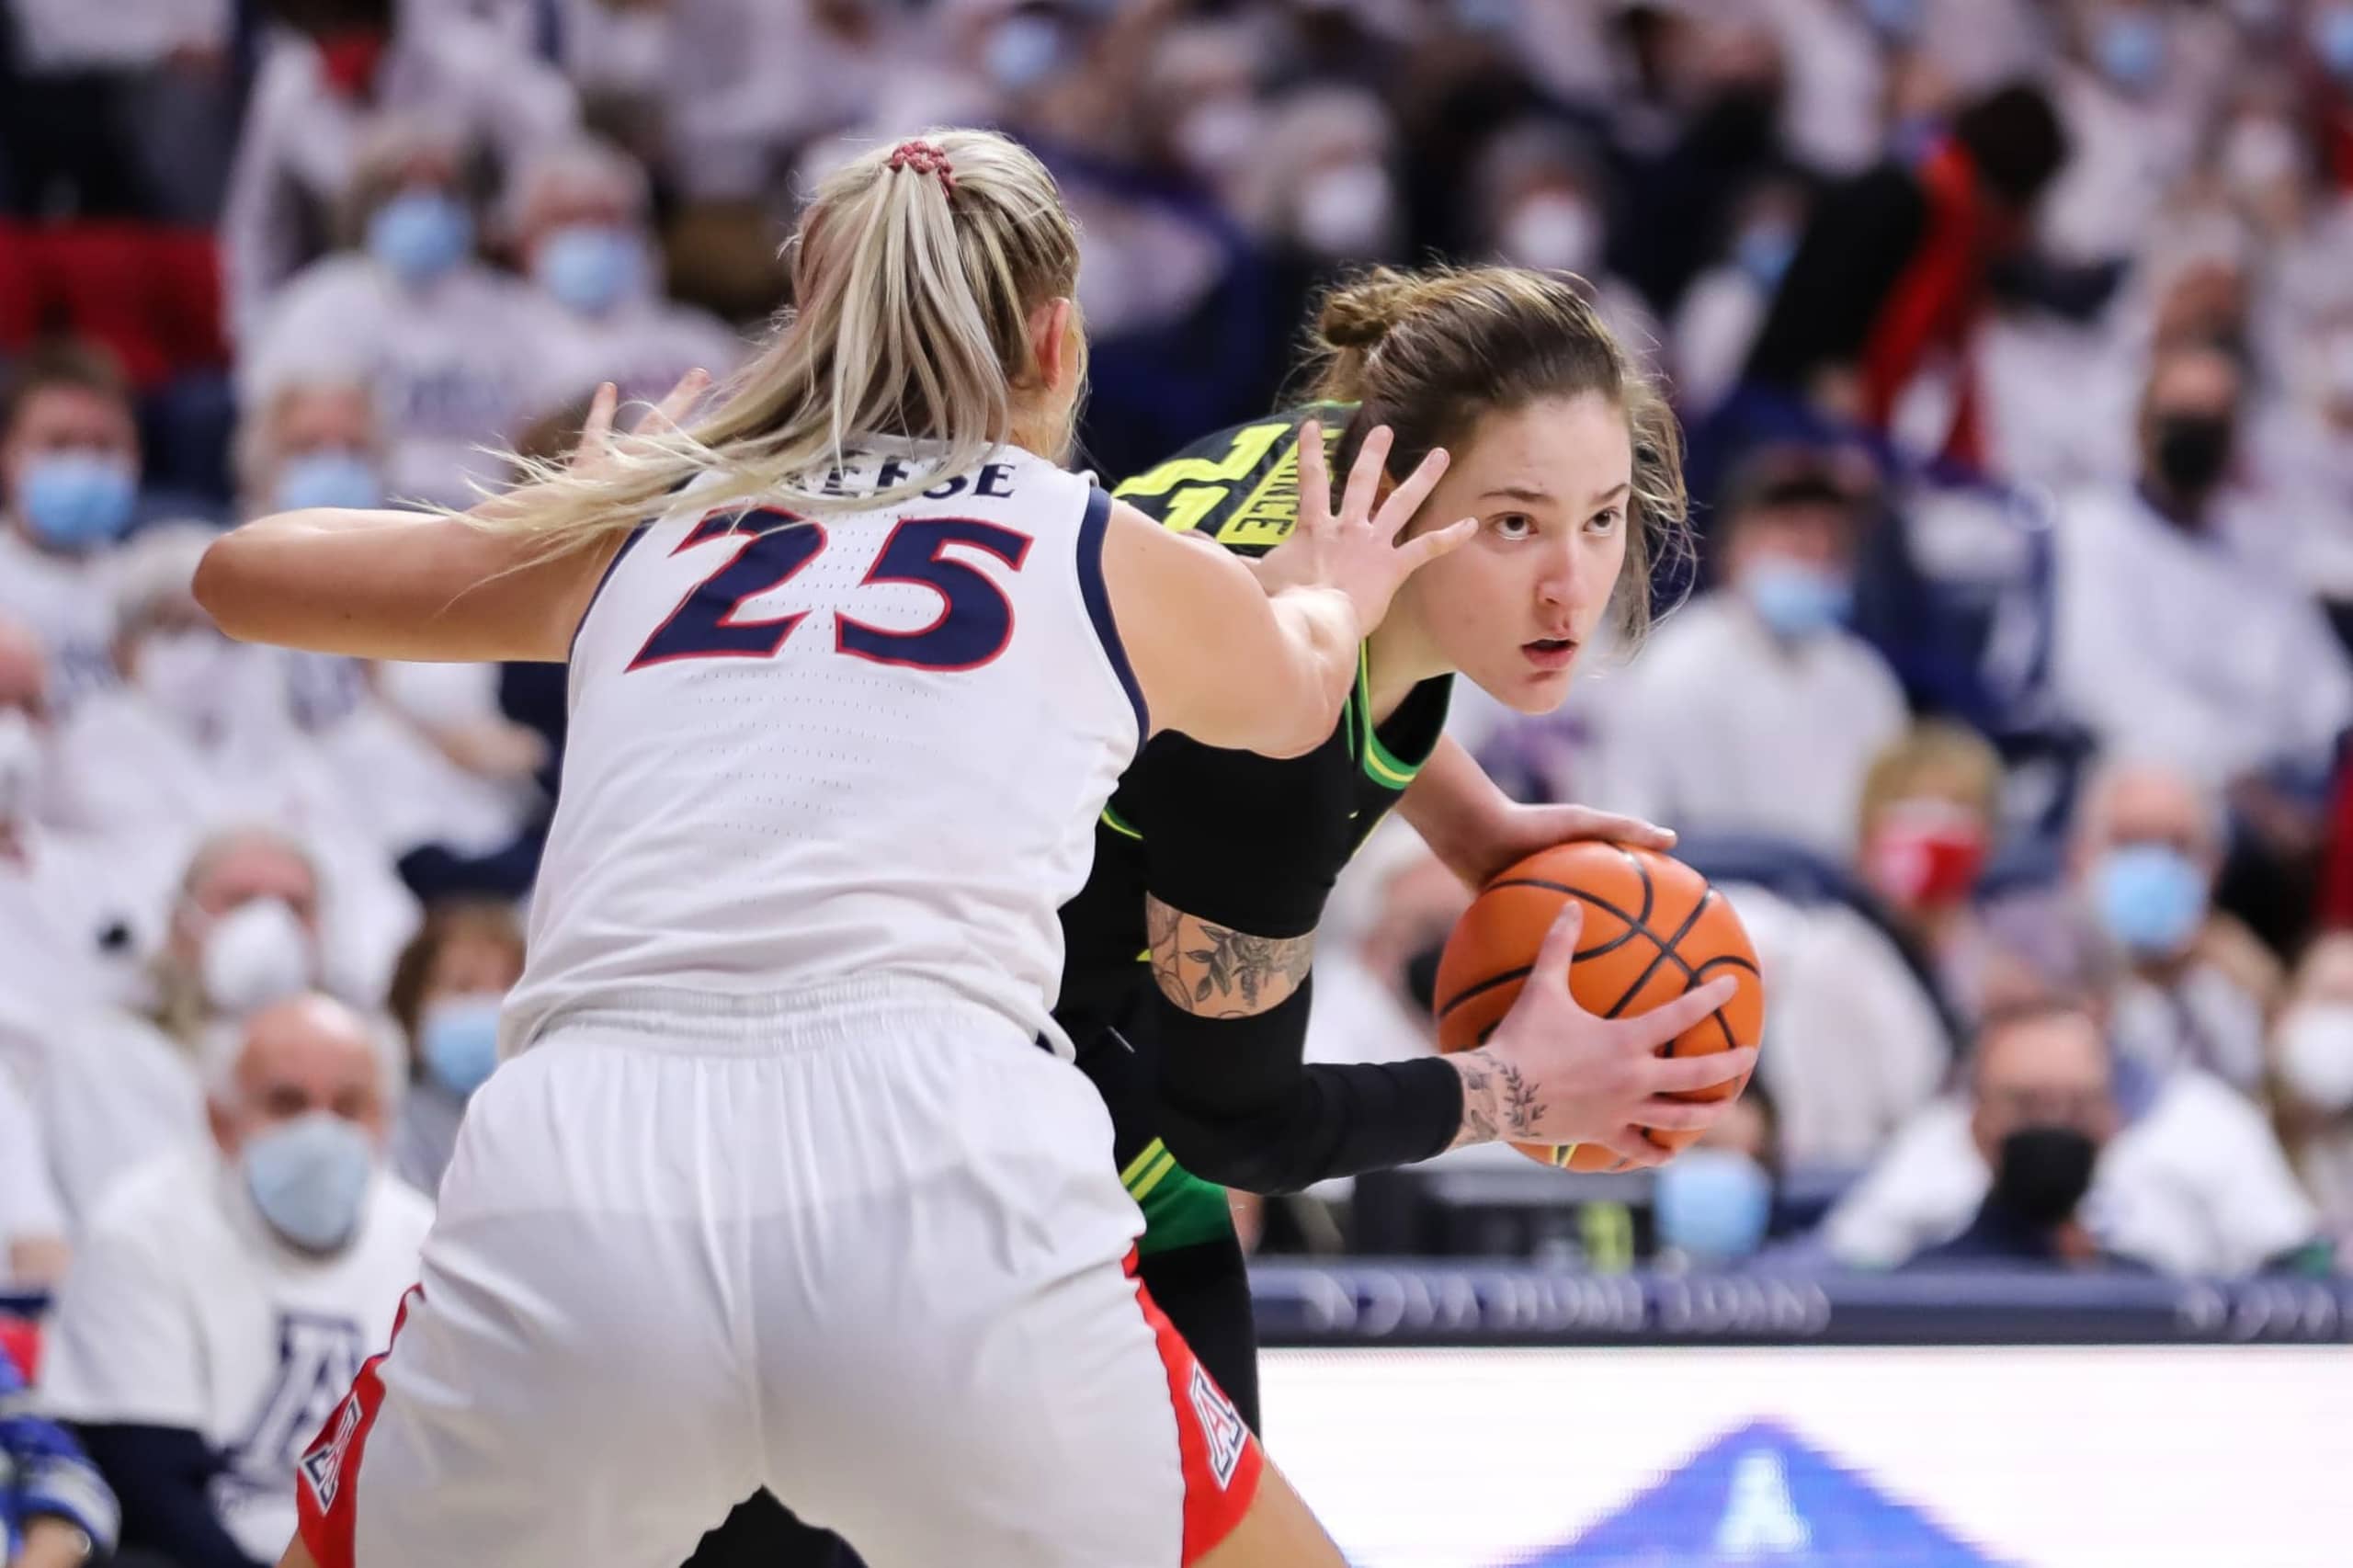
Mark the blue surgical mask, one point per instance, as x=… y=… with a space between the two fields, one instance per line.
x=2333 y=41
x=458 y=1040
x=1898 y=19
x=2131 y=48
x=1713 y=1204
x=2151 y=898
x=1798 y=600
x=75 y=500
x=1764 y=253
x=328 y=478
x=589 y=267
x=420 y=235
x=310 y=1177
x=1023 y=50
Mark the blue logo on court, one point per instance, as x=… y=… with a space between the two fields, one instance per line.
x=1760 y=1495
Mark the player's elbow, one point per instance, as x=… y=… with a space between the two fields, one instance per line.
x=1229 y=1152
x=223 y=586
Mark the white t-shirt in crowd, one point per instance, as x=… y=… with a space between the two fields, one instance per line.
x=301 y=135
x=29 y=1207
x=68 y=602
x=113 y=1091
x=2196 y=1184
x=2192 y=649
x=1716 y=724
x=644 y=347
x=1853 y=1045
x=450 y=365
x=184 y=1310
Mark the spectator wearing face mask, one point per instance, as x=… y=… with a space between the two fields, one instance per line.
x=580 y=232
x=2134 y=116
x=2042 y=1107
x=117 y=1086
x=225 y=1296
x=2183 y=1176
x=2311 y=1064
x=2193 y=987
x=1718 y=321
x=1753 y=708
x=1713 y=1204
x=414 y=756
x=443 y=340
x=1926 y=827
x=2180 y=635
x=200 y=732
x=1542 y=205
x=446 y=990
x=68 y=484
x=1891 y=277
x=327 y=72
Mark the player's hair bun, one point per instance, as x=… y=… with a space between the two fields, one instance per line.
x=1360 y=312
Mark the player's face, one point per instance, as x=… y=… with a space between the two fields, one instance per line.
x=1550 y=484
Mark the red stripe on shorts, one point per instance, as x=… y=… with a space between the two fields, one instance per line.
x=326 y=1481
x=1220 y=1457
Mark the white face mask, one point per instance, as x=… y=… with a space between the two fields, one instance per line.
x=2316 y=1054
x=257 y=954
x=1216 y=137
x=2261 y=151
x=1345 y=211
x=1552 y=232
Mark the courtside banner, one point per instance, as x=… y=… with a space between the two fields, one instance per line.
x=1823 y=1457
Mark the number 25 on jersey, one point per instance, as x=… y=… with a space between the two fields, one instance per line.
x=973 y=624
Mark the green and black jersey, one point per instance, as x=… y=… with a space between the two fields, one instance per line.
x=1229 y=836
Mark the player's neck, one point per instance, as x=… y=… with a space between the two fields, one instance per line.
x=1398 y=656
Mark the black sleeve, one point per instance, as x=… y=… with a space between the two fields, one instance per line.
x=1239 y=1107
x=1233 y=838
x=159 y=1475
x=1856 y=246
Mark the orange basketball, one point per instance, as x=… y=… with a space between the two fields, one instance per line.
x=1653 y=929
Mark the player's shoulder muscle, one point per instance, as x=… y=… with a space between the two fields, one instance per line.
x=1239 y=486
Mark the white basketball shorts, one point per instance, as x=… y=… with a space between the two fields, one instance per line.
x=865 y=1247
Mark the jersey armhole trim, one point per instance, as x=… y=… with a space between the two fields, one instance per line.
x=1098 y=597
x=629 y=543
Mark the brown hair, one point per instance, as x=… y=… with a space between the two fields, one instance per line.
x=456 y=920
x=63 y=363
x=1431 y=353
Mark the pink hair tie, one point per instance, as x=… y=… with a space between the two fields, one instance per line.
x=924 y=159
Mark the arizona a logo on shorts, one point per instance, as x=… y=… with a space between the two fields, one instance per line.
x=1220 y=1422
x=322 y=1466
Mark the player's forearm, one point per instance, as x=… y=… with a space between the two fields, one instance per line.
x=1455 y=808
x=1320 y=634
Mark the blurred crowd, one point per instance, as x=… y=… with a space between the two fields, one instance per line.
x=2014 y=344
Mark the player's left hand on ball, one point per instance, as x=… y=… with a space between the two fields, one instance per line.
x=1525 y=829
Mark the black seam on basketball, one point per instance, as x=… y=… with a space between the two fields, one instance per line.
x=1699 y=977
x=1665 y=953
x=1504 y=978
x=1634 y=927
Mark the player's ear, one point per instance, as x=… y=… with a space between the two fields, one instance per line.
x=1052 y=345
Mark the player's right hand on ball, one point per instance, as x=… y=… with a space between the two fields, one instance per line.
x=1553 y=1073
x=1356 y=551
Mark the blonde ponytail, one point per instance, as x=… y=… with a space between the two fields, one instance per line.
x=915 y=273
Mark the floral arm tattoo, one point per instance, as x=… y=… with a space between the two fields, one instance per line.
x=1220 y=972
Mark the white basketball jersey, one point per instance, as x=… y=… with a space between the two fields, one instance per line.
x=871 y=745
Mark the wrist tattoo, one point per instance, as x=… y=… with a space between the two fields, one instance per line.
x=1498 y=1102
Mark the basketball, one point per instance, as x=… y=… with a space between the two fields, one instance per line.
x=1653 y=929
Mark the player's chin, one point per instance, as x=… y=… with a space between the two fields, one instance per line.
x=1534 y=691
